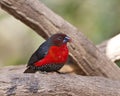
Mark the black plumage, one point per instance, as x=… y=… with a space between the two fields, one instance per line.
x=41 y=52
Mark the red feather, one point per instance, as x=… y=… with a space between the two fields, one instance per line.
x=56 y=54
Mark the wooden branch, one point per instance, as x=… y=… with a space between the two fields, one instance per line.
x=45 y=22
x=13 y=83
x=111 y=48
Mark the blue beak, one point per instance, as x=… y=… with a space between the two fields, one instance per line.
x=67 y=39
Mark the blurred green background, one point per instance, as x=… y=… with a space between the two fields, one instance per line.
x=97 y=19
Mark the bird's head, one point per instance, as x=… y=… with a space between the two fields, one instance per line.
x=60 y=39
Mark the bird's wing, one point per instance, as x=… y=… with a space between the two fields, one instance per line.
x=39 y=54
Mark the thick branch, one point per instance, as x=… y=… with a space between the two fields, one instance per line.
x=12 y=82
x=45 y=22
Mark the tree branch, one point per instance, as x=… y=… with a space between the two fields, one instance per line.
x=12 y=82
x=111 y=48
x=45 y=22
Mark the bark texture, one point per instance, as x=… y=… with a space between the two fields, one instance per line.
x=14 y=83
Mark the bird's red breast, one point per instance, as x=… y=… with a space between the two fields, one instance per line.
x=56 y=54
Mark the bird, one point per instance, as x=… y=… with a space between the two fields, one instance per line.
x=51 y=55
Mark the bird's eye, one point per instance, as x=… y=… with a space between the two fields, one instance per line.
x=60 y=38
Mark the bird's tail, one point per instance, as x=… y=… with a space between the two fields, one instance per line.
x=29 y=70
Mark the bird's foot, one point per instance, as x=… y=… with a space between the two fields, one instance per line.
x=43 y=72
x=60 y=72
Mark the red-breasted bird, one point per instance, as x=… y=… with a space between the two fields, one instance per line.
x=51 y=55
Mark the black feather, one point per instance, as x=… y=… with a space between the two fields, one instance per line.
x=39 y=54
x=30 y=70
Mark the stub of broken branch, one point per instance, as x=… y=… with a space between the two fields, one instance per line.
x=84 y=54
x=111 y=48
x=14 y=83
